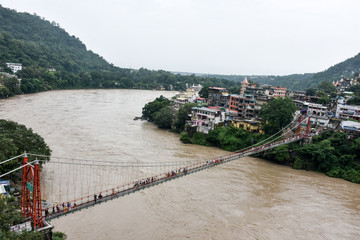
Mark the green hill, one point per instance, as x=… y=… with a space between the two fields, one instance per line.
x=346 y=68
x=33 y=41
x=40 y=45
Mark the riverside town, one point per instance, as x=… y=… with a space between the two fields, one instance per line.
x=93 y=150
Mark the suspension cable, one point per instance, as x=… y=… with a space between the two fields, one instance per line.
x=12 y=158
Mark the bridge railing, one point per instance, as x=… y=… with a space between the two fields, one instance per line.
x=166 y=176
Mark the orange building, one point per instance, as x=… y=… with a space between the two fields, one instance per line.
x=280 y=92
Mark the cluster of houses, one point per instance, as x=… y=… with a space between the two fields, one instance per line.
x=222 y=108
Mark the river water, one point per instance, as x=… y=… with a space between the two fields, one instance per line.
x=245 y=199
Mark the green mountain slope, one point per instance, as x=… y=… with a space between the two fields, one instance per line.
x=33 y=41
x=39 y=45
x=346 y=68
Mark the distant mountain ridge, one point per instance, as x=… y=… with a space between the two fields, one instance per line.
x=40 y=45
x=304 y=81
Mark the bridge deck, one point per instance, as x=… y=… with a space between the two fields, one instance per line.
x=191 y=169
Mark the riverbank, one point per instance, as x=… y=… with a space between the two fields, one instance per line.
x=331 y=153
x=234 y=199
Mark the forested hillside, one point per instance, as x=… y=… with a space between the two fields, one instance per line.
x=307 y=80
x=40 y=45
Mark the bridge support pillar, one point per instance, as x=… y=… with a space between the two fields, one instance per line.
x=37 y=217
x=25 y=189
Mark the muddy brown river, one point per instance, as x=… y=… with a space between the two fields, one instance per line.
x=248 y=198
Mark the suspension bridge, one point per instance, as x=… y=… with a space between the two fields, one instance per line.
x=70 y=185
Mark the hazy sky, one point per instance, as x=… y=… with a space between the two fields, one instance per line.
x=225 y=36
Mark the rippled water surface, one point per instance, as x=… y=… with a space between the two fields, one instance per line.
x=246 y=199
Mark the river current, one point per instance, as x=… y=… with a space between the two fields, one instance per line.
x=248 y=198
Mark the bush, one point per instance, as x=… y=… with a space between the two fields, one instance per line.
x=298 y=164
x=164 y=118
x=335 y=172
x=352 y=175
x=59 y=236
x=200 y=138
x=184 y=137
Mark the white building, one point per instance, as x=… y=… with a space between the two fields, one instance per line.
x=205 y=119
x=14 y=66
x=322 y=121
x=348 y=111
x=351 y=128
x=317 y=109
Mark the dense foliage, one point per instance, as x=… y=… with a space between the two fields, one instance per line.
x=9 y=215
x=229 y=138
x=354 y=101
x=277 y=114
x=42 y=46
x=165 y=116
x=182 y=116
x=15 y=139
x=355 y=89
x=330 y=152
x=150 y=109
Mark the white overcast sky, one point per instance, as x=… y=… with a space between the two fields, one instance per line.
x=206 y=36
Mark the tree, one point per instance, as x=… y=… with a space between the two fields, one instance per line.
x=184 y=137
x=4 y=92
x=164 y=117
x=13 y=85
x=204 y=92
x=281 y=153
x=9 y=215
x=310 y=92
x=149 y=110
x=324 y=100
x=15 y=139
x=182 y=116
x=327 y=87
x=321 y=154
x=354 y=101
x=277 y=114
x=355 y=89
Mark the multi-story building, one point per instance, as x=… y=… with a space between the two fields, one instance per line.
x=280 y=92
x=255 y=91
x=248 y=125
x=262 y=99
x=179 y=102
x=296 y=95
x=351 y=128
x=215 y=95
x=14 y=66
x=243 y=107
x=205 y=119
x=224 y=100
x=348 y=112
x=316 y=109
